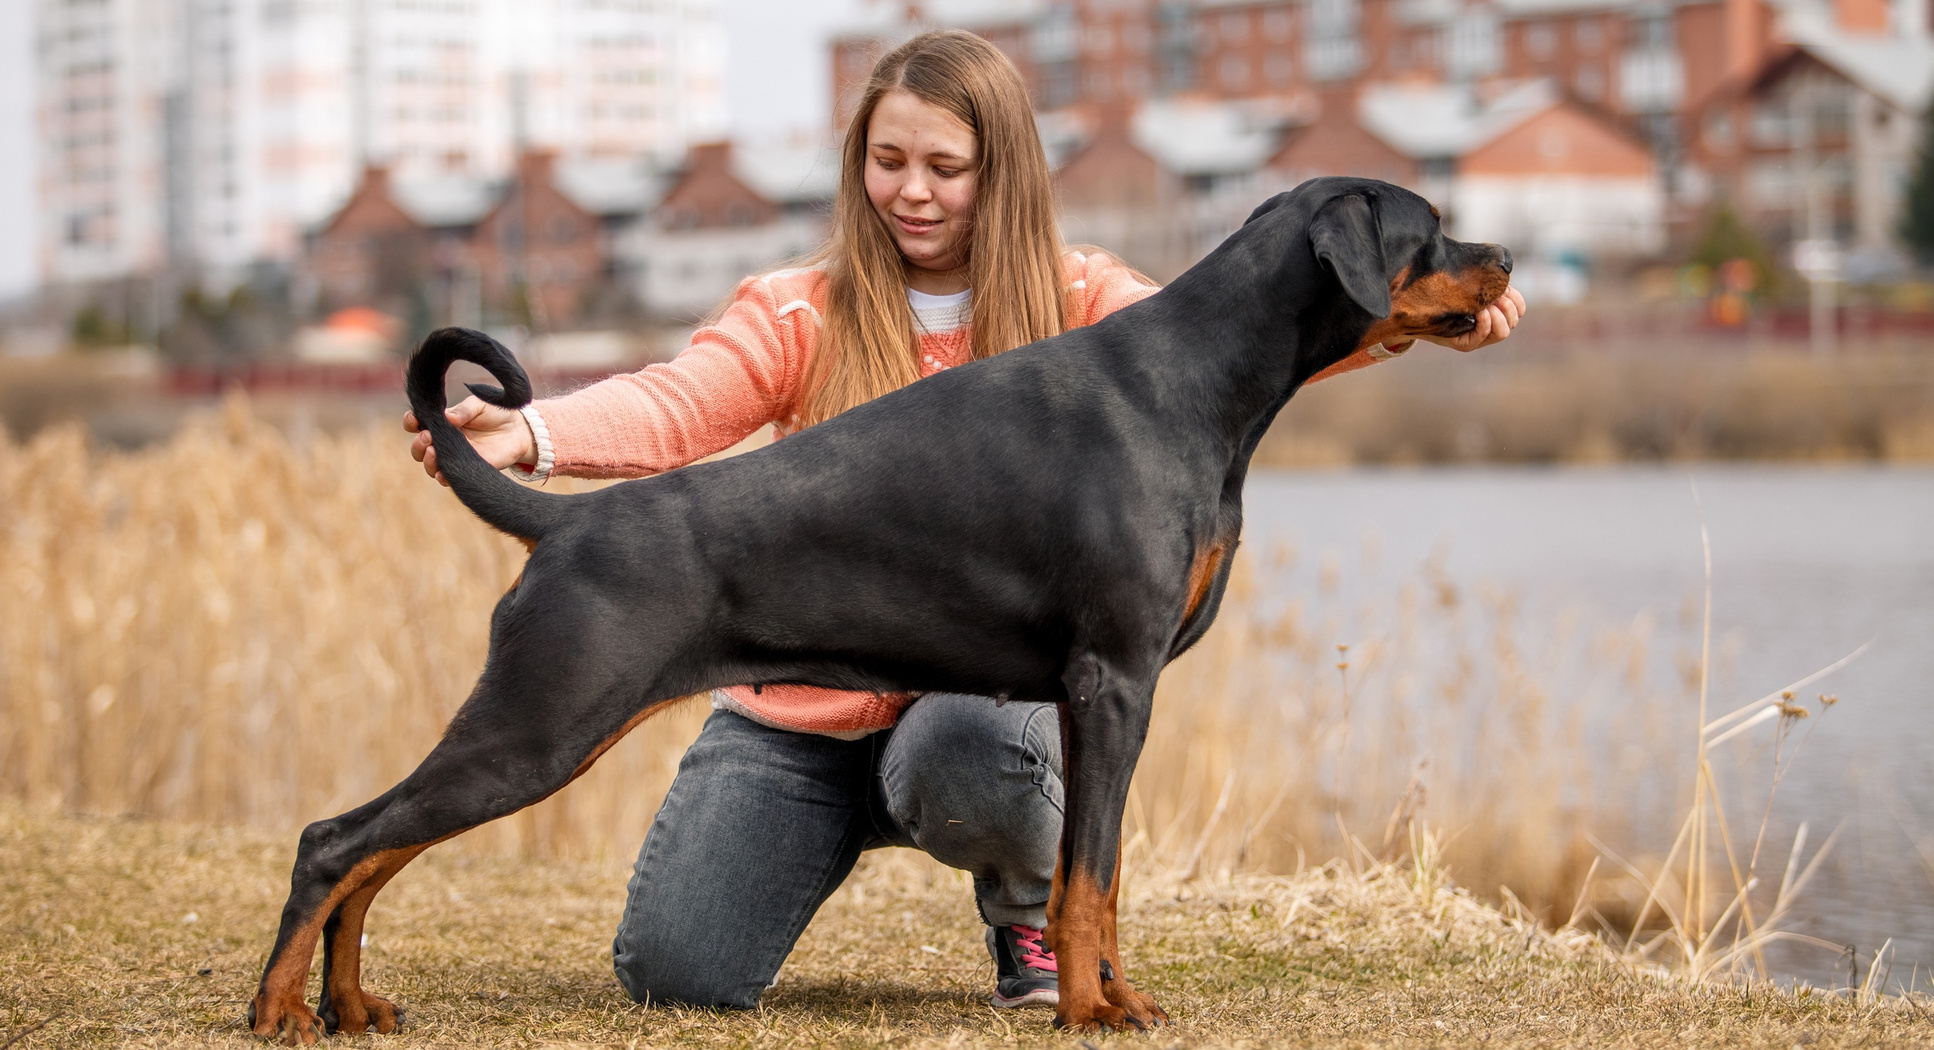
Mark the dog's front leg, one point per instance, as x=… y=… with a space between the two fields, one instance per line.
x=1103 y=724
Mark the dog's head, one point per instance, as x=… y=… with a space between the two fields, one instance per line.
x=1385 y=247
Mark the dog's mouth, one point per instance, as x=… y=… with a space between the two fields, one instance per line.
x=1453 y=325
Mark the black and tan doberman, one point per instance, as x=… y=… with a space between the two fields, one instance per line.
x=1055 y=523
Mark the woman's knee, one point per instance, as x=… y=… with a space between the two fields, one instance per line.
x=964 y=767
x=658 y=978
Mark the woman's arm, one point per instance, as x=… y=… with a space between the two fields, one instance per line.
x=1099 y=285
x=737 y=375
x=1494 y=324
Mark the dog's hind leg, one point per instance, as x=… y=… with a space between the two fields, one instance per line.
x=531 y=726
x=1103 y=724
x=345 y=1007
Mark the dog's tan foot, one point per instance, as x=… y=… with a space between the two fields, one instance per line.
x=1095 y=1017
x=1139 y=1005
x=289 y=1023
x=371 y=1012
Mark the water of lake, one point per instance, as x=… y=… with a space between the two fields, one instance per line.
x=1809 y=563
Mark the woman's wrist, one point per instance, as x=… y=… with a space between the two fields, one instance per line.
x=537 y=456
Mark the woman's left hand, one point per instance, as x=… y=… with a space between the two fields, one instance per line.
x=1494 y=323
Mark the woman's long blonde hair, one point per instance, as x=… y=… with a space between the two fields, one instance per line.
x=867 y=345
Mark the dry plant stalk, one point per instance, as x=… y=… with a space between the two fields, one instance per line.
x=232 y=629
x=1682 y=889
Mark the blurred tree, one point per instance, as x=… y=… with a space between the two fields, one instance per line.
x=94 y=328
x=1726 y=239
x=1917 y=226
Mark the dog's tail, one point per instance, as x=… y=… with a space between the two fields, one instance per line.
x=500 y=502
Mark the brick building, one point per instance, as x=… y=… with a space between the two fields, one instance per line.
x=451 y=250
x=547 y=247
x=1818 y=143
x=537 y=250
x=728 y=212
x=1619 y=73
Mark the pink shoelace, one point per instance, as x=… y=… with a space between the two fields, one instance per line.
x=1033 y=952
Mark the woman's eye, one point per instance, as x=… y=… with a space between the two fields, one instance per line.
x=946 y=173
x=885 y=164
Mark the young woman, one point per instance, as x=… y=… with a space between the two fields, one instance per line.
x=944 y=250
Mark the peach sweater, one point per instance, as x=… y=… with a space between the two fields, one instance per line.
x=746 y=371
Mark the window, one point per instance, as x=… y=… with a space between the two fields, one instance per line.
x=1540 y=40
x=1590 y=83
x=1589 y=35
x=1770 y=184
x=1234 y=72
x=1277 y=25
x=1719 y=133
x=1770 y=124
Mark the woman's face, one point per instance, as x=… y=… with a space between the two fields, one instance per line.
x=921 y=163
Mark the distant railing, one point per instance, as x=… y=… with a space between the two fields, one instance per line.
x=376 y=377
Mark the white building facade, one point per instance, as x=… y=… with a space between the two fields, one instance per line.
x=214 y=133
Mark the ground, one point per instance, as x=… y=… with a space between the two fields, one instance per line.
x=137 y=933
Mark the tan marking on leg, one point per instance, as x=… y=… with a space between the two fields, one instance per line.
x=356 y=1009
x=1202 y=574
x=279 y=1006
x=612 y=740
x=1075 y=907
x=1138 y=1005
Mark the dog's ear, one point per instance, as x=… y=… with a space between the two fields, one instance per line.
x=1346 y=239
x=1266 y=207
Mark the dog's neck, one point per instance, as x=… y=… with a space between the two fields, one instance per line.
x=1238 y=352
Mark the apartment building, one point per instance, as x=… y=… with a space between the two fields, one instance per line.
x=1167 y=100
x=211 y=134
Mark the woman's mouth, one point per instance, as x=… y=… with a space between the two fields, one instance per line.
x=918 y=226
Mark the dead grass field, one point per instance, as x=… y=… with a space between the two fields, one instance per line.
x=239 y=630
x=182 y=626
x=149 y=934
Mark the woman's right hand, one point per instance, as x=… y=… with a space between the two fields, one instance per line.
x=500 y=435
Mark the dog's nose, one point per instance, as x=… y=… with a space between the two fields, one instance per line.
x=1504 y=258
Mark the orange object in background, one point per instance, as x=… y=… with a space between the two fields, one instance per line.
x=363 y=319
x=351 y=336
x=1732 y=299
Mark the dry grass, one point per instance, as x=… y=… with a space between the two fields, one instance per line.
x=230 y=628
x=233 y=630
x=138 y=933
x=1540 y=401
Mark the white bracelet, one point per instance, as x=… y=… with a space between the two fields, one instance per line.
x=541 y=436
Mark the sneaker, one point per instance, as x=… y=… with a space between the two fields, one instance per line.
x=1024 y=968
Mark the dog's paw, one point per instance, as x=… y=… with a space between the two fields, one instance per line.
x=1096 y=1017
x=376 y=1014
x=1139 y=1005
x=291 y=1024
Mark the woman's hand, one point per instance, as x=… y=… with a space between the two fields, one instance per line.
x=1494 y=323
x=500 y=435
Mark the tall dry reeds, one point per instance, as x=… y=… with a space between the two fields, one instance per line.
x=233 y=628
x=1533 y=403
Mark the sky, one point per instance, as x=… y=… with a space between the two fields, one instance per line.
x=776 y=82
x=777 y=72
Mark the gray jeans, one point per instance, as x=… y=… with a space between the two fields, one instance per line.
x=761 y=825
